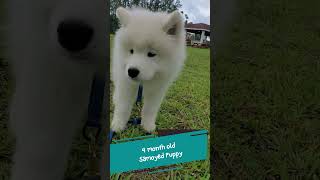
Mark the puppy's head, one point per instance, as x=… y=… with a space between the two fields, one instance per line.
x=148 y=43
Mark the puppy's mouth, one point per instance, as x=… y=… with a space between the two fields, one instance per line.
x=136 y=79
x=83 y=58
x=139 y=80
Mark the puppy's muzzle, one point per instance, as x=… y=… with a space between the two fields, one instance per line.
x=74 y=35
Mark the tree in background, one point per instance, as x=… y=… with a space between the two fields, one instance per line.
x=153 y=5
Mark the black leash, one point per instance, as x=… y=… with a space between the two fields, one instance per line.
x=95 y=110
x=95 y=107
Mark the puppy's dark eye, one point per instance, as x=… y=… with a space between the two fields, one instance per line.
x=131 y=51
x=150 y=54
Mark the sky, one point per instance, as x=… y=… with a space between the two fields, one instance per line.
x=198 y=11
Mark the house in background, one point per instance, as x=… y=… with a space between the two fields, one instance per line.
x=198 y=34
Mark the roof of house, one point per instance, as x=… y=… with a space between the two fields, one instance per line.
x=199 y=26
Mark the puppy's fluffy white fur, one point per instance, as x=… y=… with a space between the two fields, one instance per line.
x=143 y=32
x=52 y=85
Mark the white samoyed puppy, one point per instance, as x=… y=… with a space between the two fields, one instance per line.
x=55 y=47
x=149 y=49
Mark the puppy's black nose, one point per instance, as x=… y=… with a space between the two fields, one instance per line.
x=74 y=35
x=133 y=72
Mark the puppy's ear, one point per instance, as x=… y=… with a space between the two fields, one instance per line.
x=123 y=16
x=174 y=23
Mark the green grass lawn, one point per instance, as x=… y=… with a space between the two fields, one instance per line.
x=267 y=93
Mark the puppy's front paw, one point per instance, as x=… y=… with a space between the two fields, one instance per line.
x=118 y=126
x=148 y=126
